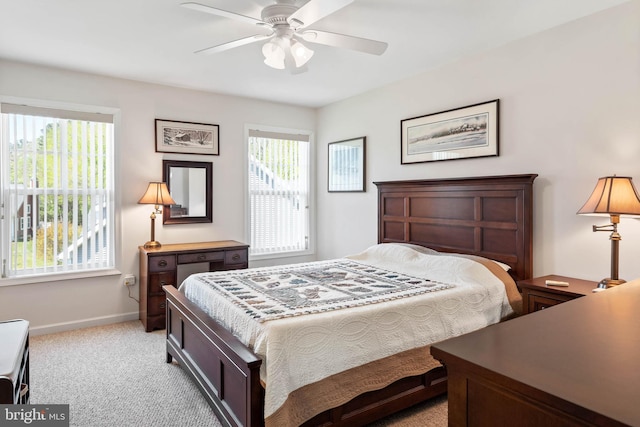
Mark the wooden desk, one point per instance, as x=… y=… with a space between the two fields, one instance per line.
x=574 y=365
x=159 y=267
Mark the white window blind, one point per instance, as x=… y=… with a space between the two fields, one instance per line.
x=279 y=185
x=57 y=190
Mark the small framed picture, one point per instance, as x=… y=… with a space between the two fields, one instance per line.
x=187 y=137
x=461 y=133
x=346 y=168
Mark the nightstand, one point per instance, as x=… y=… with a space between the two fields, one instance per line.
x=536 y=295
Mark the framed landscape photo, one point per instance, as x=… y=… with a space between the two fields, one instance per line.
x=346 y=168
x=187 y=137
x=470 y=131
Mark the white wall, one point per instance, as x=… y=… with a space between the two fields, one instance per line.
x=67 y=304
x=570 y=112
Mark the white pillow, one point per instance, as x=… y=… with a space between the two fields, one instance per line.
x=504 y=266
x=429 y=251
x=418 y=248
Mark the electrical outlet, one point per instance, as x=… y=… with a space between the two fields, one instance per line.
x=129 y=280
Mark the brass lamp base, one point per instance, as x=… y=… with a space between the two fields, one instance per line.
x=152 y=244
x=610 y=283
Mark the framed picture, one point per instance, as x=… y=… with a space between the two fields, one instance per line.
x=187 y=137
x=462 y=133
x=346 y=165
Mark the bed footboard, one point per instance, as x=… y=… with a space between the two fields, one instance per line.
x=227 y=373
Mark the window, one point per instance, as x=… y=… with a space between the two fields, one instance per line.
x=56 y=174
x=279 y=193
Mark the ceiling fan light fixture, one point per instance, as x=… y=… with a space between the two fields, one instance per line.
x=277 y=50
x=301 y=53
x=273 y=55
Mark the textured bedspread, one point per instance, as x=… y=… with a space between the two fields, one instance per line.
x=298 y=350
x=318 y=287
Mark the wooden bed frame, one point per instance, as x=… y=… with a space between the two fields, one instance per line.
x=487 y=216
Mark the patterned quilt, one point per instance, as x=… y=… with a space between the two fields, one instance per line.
x=292 y=290
x=298 y=351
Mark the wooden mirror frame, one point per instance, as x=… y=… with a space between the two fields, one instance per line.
x=167 y=217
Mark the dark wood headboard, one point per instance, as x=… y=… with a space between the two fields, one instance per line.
x=487 y=216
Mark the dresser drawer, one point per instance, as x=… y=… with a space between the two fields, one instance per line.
x=540 y=301
x=158 y=280
x=200 y=257
x=239 y=256
x=162 y=263
x=156 y=305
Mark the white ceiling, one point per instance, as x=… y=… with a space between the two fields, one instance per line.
x=154 y=41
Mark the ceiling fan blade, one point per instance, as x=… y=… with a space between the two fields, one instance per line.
x=315 y=10
x=342 y=40
x=231 y=45
x=219 y=12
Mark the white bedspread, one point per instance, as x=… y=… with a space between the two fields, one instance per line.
x=301 y=350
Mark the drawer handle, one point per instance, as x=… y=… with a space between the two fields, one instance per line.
x=202 y=256
x=163 y=305
x=235 y=257
x=162 y=263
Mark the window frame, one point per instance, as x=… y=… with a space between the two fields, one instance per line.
x=60 y=276
x=311 y=247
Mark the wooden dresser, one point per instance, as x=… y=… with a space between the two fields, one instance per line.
x=574 y=365
x=159 y=267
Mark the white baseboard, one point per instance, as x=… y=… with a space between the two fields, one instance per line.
x=84 y=323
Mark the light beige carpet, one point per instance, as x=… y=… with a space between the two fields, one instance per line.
x=116 y=375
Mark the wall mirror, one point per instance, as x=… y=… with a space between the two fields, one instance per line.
x=190 y=186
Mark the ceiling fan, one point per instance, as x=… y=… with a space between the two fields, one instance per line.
x=288 y=24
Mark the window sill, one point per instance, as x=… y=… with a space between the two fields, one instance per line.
x=292 y=254
x=57 y=277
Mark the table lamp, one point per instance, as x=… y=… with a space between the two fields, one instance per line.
x=613 y=196
x=157 y=194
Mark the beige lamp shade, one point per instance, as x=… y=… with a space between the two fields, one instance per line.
x=613 y=195
x=157 y=194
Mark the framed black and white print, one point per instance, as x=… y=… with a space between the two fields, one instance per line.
x=470 y=131
x=187 y=137
x=346 y=168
